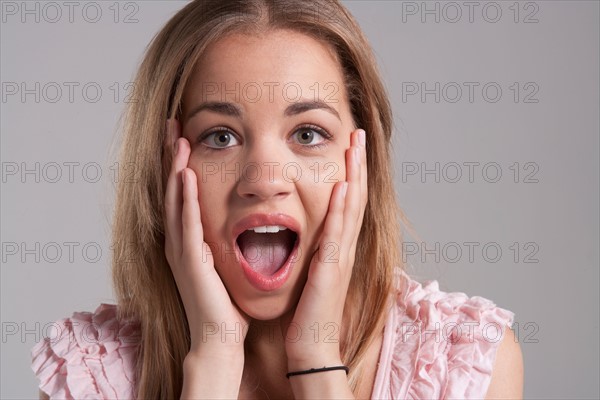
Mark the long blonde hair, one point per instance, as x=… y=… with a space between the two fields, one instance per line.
x=143 y=282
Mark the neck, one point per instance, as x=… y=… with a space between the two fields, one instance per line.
x=265 y=363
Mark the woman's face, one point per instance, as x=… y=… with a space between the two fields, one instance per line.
x=269 y=122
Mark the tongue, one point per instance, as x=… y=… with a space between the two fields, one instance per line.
x=266 y=252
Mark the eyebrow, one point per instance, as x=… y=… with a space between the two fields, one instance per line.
x=234 y=110
x=303 y=106
x=219 y=107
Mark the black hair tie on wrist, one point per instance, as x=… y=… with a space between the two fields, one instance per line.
x=315 y=370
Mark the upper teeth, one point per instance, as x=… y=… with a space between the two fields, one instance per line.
x=268 y=229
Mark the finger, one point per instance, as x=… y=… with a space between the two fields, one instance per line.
x=330 y=246
x=364 y=189
x=363 y=169
x=353 y=198
x=205 y=289
x=173 y=194
x=192 y=233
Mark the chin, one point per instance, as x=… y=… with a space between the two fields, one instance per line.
x=266 y=313
x=269 y=307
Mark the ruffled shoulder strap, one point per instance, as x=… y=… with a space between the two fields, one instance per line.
x=88 y=356
x=437 y=344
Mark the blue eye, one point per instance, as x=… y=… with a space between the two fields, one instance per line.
x=310 y=135
x=219 y=139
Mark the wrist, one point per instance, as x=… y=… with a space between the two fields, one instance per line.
x=316 y=362
x=318 y=370
x=215 y=357
x=317 y=357
x=211 y=375
x=323 y=383
x=309 y=346
x=214 y=347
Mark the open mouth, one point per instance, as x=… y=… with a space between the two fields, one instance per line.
x=267 y=248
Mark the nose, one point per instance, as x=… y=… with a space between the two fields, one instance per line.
x=265 y=172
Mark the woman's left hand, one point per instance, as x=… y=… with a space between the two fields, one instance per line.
x=313 y=335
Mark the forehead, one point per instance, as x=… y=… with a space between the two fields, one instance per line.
x=275 y=60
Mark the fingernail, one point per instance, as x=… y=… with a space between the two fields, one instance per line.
x=183 y=176
x=176 y=146
x=344 y=189
x=362 y=138
x=357 y=155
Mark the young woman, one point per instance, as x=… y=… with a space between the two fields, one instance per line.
x=257 y=255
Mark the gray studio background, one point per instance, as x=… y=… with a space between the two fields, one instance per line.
x=532 y=117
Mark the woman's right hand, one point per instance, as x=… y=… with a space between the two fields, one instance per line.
x=212 y=316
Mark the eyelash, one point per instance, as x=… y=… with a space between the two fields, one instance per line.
x=216 y=129
x=326 y=135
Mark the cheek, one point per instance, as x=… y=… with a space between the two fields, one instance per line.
x=317 y=186
x=212 y=201
x=325 y=174
x=326 y=170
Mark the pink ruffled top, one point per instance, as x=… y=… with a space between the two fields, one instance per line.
x=435 y=345
x=438 y=345
x=88 y=356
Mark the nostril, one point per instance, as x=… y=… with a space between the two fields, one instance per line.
x=264 y=188
x=252 y=195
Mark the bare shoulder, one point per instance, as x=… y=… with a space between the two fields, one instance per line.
x=507 y=375
x=44 y=396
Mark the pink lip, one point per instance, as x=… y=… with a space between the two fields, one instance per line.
x=259 y=281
